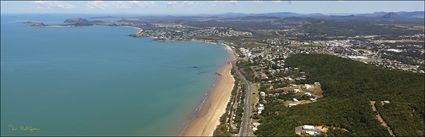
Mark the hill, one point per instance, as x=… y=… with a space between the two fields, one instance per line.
x=348 y=87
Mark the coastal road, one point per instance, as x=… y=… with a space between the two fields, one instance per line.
x=246 y=117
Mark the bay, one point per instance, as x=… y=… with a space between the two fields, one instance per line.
x=99 y=81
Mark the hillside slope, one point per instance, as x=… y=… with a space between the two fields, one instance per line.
x=349 y=86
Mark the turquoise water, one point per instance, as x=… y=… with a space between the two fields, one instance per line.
x=99 y=81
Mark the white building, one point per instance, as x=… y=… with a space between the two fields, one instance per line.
x=307 y=94
x=307 y=86
x=260 y=108
x=255 y=124
x=254 y=129
x=291 y=105
x=262 y=94
x=311 y=132
x=308 y=127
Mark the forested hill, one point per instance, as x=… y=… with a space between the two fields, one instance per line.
x=348 y=87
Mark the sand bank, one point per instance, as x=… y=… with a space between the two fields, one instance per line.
x=215 y=104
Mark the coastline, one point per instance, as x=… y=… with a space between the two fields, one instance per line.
x=214 y=106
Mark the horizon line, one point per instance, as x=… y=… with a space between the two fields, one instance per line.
x=212 y=14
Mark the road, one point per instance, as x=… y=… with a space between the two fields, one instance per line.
x=380 y=119
x=246 y=117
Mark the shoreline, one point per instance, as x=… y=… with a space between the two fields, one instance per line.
x=207 y=118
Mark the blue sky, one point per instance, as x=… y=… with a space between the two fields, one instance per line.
x=206 y=7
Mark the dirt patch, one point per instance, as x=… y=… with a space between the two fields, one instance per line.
x=380 y=119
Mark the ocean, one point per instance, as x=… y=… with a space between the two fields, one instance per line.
x=97 y=80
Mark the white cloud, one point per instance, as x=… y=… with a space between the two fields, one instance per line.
x=172 y=3
x=187 y=3
x=141 y=4
x=119 y=4
x=54 y=4
x=96 y=5
x=221 y=3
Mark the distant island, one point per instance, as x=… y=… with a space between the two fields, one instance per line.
x=78 y=22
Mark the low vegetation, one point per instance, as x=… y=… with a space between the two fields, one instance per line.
x=224 y=128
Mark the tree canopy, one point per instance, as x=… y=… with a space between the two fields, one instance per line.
x=348 y=87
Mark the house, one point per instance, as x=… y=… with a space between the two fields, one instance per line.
x=290 y=79
x=313 y=99
x=291 y=105
x=256 y=124
x=262 y=94
x=316 y=83
x=307 y=94
x=294 y=99
x=308 y=127
x=296 y=90
x=300 y=78
x=311 y=132
x=308 y=86
x=260 y=108
x=255 y=128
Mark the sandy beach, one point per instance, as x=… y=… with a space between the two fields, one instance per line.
x=215 y=104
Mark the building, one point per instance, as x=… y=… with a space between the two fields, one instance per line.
x=291 y=105
x=255 y=124
x=260 y=108
x=310 y=130
x=307 y=94
x=262 y=94
x=254 y=129
x=307 y=86
x=308 y=127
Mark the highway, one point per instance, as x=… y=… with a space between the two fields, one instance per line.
x=246 y=117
